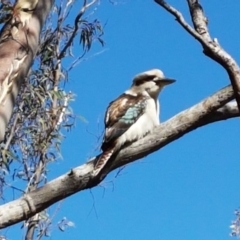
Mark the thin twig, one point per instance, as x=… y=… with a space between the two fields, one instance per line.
x=181 y=20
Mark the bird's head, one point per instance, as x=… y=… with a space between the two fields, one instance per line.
x=152 y=82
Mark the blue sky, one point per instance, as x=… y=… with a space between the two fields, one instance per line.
x=190 y=188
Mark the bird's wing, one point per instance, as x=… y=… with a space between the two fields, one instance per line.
x=120 y=115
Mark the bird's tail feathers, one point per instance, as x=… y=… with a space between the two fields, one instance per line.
x=102 y=161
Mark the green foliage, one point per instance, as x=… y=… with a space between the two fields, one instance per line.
x=89 y=31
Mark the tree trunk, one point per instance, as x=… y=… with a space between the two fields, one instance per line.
x=19 y=41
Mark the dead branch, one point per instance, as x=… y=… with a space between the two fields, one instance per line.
x=211 y=47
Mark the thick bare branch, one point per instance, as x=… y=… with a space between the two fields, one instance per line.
x=199 y=20
x=19 y=41
x=230 y=110
x=80 y=178
x=213 y=49
x=210 y=46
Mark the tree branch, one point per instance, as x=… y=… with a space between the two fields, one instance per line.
x=80 y=178
x=211 y=47
x=199 y=20
x=230 y=110
x=180 y=19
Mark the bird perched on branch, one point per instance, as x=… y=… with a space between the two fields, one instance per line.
x=132 y=115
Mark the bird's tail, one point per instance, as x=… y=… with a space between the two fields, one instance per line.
x=102 y=161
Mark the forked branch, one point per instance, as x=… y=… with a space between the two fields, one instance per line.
x=211 y=47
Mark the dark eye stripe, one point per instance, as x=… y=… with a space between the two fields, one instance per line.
x=143 y=79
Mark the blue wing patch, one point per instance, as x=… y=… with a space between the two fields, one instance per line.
x=120 y=115
x=133 y=113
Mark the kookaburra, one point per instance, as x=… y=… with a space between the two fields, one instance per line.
x=132 y=115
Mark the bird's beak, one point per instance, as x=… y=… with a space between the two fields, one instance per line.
x=166 y=81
